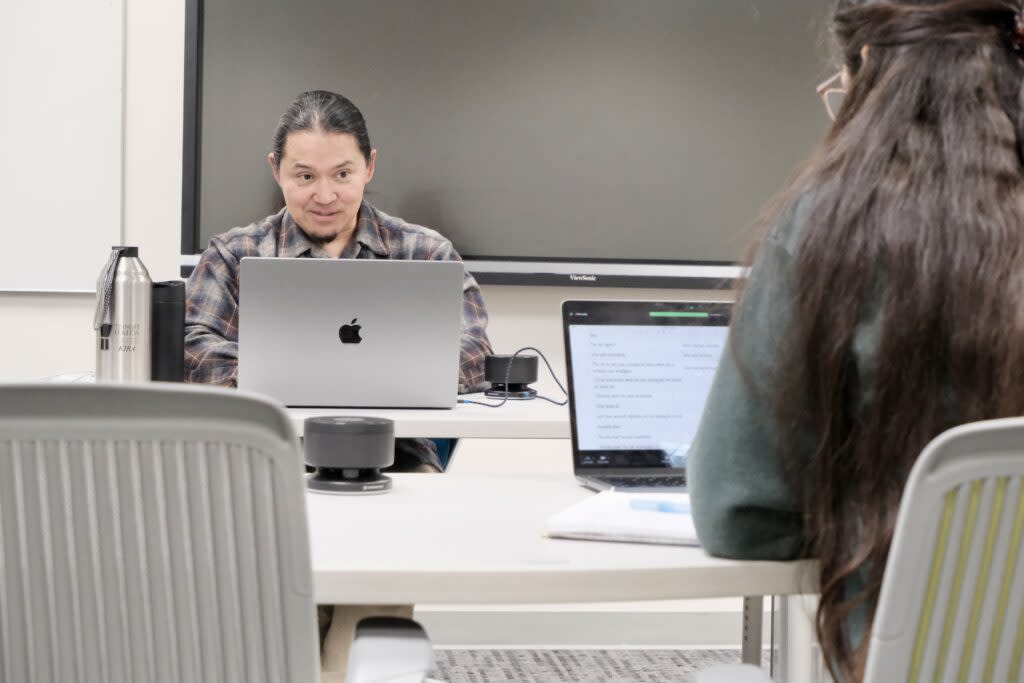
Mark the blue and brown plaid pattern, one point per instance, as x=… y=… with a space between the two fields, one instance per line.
x=211 y=309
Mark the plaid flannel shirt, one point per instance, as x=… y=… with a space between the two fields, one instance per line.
x=211 y=309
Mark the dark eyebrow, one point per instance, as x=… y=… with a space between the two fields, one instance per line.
x=299 y=166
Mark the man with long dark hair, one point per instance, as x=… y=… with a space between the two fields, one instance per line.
x=883 y=305
x=322 y=160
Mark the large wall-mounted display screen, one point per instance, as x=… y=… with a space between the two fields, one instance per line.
x=646 y=133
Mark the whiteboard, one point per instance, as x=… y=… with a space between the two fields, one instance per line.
x=61 y=72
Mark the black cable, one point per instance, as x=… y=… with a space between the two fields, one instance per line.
x=508 y=376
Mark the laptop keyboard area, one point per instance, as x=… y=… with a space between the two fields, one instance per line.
x=645 y=482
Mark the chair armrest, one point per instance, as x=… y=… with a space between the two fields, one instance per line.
x=389 y=650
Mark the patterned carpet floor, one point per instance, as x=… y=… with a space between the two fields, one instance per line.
x=582 y=666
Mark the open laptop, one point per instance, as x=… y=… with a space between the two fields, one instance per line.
x=639 y=375
x=350 y=333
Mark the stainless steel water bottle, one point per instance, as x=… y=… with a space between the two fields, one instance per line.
x=123 y=320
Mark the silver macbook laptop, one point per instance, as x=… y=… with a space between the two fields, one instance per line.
x=350 y=333
x=639 y=375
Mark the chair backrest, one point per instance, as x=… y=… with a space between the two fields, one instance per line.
x=952 y=600
x=152 y=533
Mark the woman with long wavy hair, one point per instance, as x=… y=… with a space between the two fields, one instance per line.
x=884 y=304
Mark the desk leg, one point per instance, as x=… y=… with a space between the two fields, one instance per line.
x=334 y=657
x=780 y=627
x=753 y=613
x=798 y=640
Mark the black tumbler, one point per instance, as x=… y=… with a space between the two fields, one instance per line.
x=169 y=331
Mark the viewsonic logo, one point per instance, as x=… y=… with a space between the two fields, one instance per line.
x=583 y=278
x=349 y=334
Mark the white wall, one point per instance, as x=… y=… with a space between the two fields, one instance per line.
x=62 y=68
x=48 y=334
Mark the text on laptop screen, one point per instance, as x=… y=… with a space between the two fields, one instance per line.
x=640 y=389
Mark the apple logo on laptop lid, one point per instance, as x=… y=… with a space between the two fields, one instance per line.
x=349 y=334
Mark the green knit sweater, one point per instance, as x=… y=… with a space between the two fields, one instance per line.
x=742 y=506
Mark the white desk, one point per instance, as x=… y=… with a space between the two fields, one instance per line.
x=477 y=539
x=534 y=419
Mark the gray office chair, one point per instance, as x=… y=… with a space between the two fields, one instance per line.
x=153 y=533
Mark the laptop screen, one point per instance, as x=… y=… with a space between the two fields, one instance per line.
x=639 y=375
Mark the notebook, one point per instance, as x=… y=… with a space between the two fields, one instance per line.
x=639 y=375
x=662 y=518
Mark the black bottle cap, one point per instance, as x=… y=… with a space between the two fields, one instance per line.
x=169 y=291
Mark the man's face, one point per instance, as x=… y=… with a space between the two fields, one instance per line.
x=322 y=176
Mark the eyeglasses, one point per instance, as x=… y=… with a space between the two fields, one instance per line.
x=832 y=93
